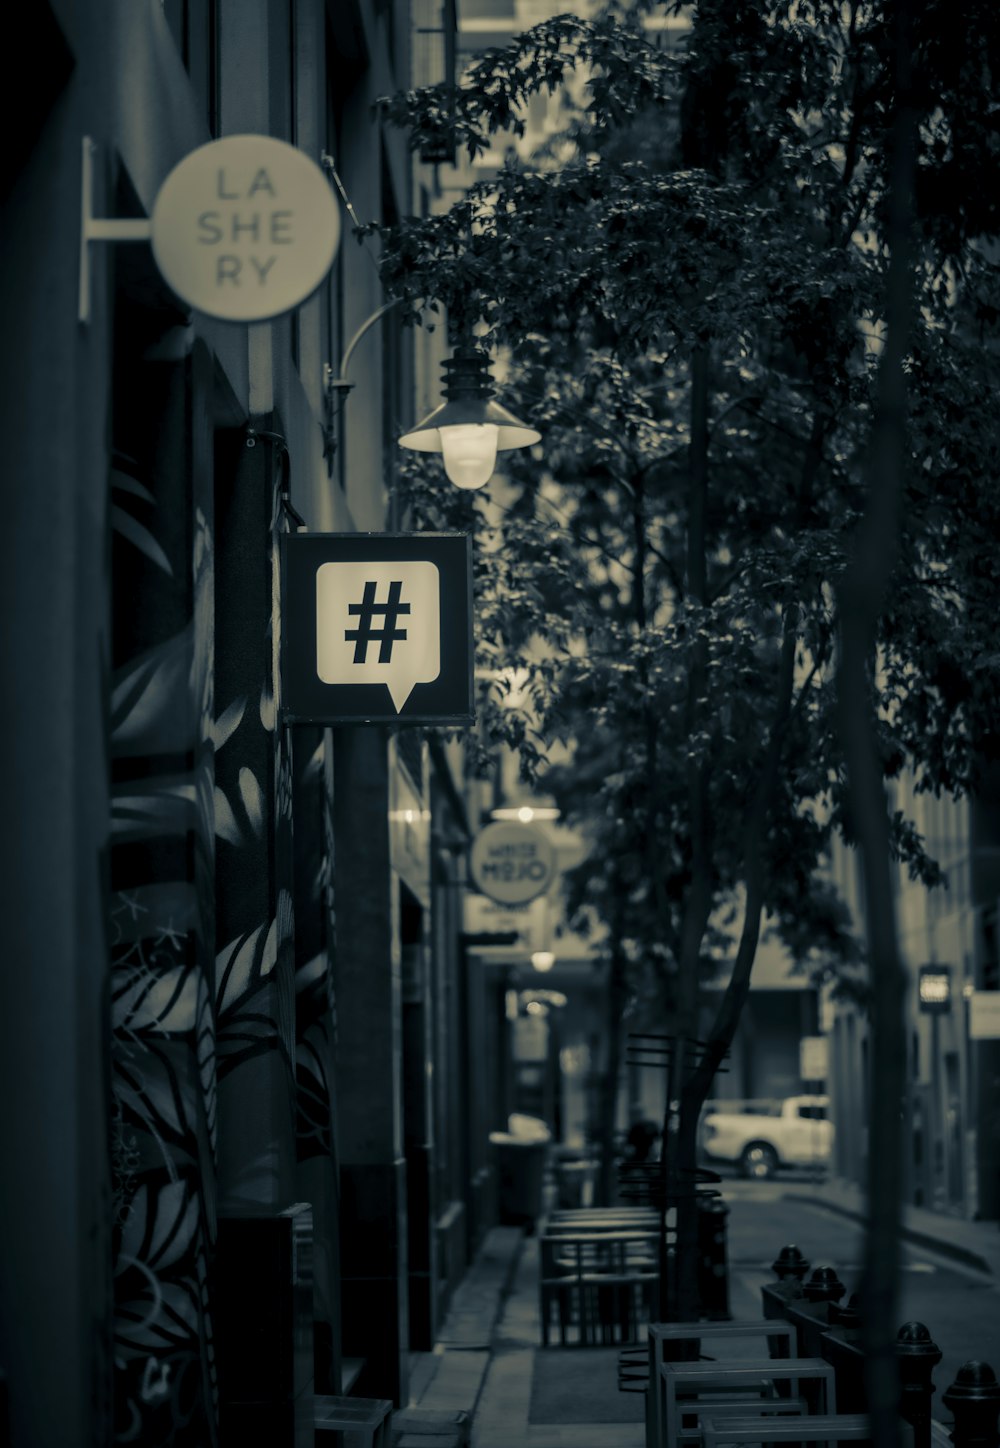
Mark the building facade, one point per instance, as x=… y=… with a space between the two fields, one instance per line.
x=949 y=947
x=234 y=1014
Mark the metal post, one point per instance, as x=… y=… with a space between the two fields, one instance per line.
x=974 y=1401
x=918 y=1356
x=823 y=1286
x=713 y=1279
x=790 y=1266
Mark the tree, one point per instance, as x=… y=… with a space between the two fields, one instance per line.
x=705 y=261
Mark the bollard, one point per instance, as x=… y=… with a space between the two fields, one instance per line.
x=823 y=1286
x=809 y=1314
x=841 y=1346
x=974 y=1401
x=713 y=1277
x=790 y=1266
x=918 y=1356
x=848 y=1318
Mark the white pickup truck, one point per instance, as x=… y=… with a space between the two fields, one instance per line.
x=793 y=1132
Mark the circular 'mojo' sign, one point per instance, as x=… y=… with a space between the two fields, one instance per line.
x=512 y=863
x=245 y=228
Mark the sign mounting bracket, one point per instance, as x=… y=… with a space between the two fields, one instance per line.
x=99 y=228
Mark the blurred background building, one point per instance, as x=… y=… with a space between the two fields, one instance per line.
x=951 y=952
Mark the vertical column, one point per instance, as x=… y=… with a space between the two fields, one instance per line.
x=55 y=1338
x=255 y=971
x=418 y=1125
x=369 y=1065
x=161 y=902
x=255 y=965
x=316 y=1170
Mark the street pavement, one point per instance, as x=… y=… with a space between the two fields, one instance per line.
x=959 y=1305
x=480 y=1374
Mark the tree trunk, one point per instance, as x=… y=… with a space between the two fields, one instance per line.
x=679 y=1297
x=699 y=1063
x=861 y=598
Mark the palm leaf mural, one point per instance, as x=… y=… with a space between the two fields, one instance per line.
x=253 y=799
x=226 y=824
x=162 y=1000
x=316 y=1168
x=252 y=1013
x=223 y=728
x=146 y=715
x=124 y=486
x=161 y=1005
x=313 y=1087
x=162 y=1228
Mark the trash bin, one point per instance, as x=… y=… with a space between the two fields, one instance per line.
x=521 y=1155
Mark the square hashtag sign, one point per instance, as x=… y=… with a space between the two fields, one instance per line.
x=379 y=622
x=376 y=627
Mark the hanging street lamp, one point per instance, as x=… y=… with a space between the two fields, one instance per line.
x=469 y=429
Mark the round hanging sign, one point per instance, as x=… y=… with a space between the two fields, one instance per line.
x=511 y=862
x=245 y=228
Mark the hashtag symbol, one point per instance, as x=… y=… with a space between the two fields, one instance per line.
x=366 y=633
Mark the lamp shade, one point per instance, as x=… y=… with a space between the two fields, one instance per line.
x=425 y=436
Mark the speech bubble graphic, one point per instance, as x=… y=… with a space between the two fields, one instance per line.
x=379 y=623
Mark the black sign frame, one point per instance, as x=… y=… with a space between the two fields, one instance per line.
x=306 y=699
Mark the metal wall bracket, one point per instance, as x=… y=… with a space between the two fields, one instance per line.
x=99 y=228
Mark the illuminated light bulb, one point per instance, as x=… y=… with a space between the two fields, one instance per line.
x=543 y=960
x=469 y=452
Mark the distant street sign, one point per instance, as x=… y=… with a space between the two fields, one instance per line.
x=525 y=926
x=376 y=628
x=814 y=1057
x=934 y=989
x=984 y=1015
x=512 y=862
x=245 y=228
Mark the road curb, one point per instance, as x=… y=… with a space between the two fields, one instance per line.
x=967 y=1255
x=442 y=1418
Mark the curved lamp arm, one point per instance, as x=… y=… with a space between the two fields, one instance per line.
x=339 y=385
x=340 y=382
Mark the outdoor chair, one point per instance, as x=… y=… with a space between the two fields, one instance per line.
x=779 y=1344
x=685 y=1383
x=604 y=1285
x=830 y=1429
x=721 y=1410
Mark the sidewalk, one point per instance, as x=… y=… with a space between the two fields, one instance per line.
x=474 y=1390
x=975 y=1244
x=445 y=1384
